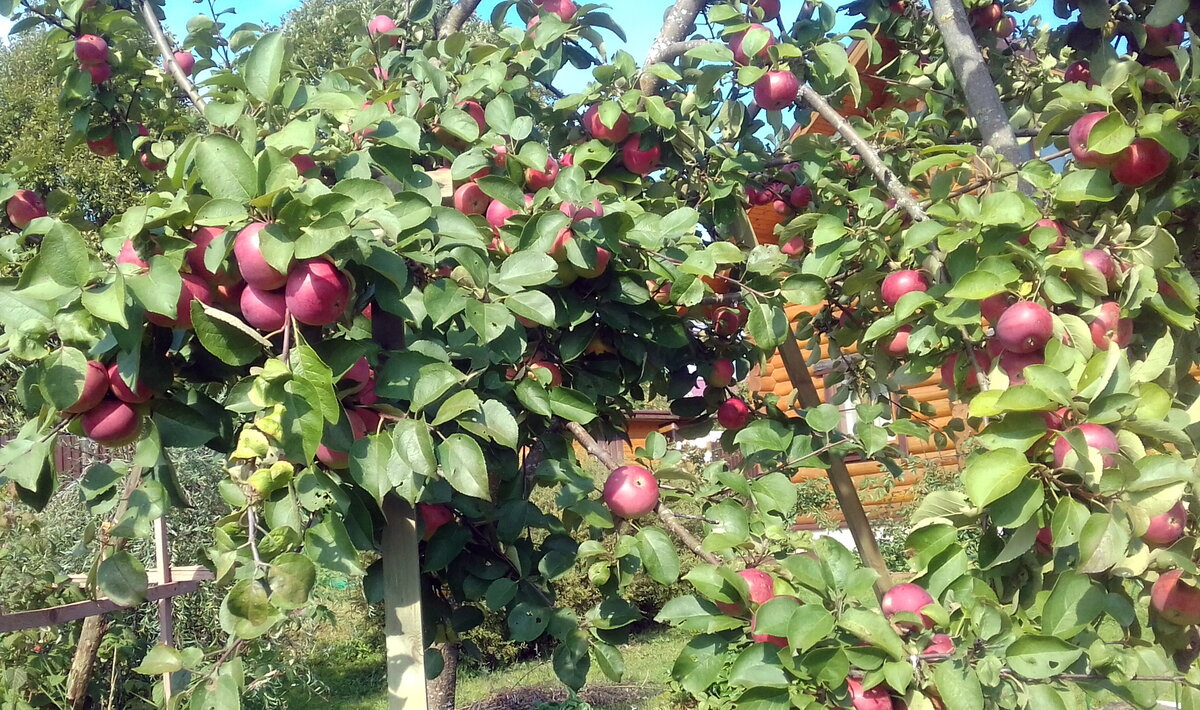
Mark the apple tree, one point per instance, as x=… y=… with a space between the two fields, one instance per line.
x=420 y=278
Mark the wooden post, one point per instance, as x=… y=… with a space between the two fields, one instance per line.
x=166 y=620
x=839 y=476
x=402 y=607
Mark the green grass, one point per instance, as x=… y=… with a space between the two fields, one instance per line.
x=353 y=672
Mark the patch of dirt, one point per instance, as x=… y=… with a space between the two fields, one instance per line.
x=599 y=696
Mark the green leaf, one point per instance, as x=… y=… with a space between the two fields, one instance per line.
x=1040 y=657
x=1074 y=603
x=246 y=612
x=463 y=465
x=371 y=465
x=328 y=545
x=976 y=286
x=1103 y=542
x=159 y=660
x=571 y=405
x=658 y=555
x=823 y=418
x=263 y=66
x=526 y=622
x=232 y=342
x=808 y=626
x=225 y=169
x=534 y=305
x=571 y=660
x=874 y=629
x=63 y=374
x=1110 y=135
x=501 y=424
x=732 y=526
x=768 y=326
x=455 y=405
x=994 y=474
x=958 y=685
x=759 y=667
x=696 y=616
x=291 y=579
x=122 y=578
x=1085 y=186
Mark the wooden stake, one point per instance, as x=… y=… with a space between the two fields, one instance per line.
x=839 y=476
x=402 y=607
x=166 y=620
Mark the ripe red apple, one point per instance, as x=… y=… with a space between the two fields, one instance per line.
x=538 y=179
x=779 y=641
x=986 y=17
x=1109 y=326
x=1097 y=437
x=1143 y=161
x=469 y=198
x=630 y=492
x=95 y=386
x=898 y=346
x=728 y=321
x=793 y=246
x=940 y=644
x=1005 y=27
x=317 y=292
x=733 y=414
x=1044 y=542
x=186 y=62
x=1167 y=66
x=1058 y=244
x=140 y=393
x=90 y=49
x=578 y=214
x=382 y=24
x=898 y=283
x=475 y=110
x=111 y=423
x=1159 y=40
x=1014 y=364
x=768 y=8
x=659 y=293
x=1025 y=327
x=150 y=163
x=1175 y=600
x=129 y=255
x=907 y=597
x=761 y=586
x=637 y=160
x=593 y=125
x=603 y=256
x=735 y=44
x=565 y=9
x=105 y=147
x=1079 y=72
x=993 y=307
x=970 y=378
x=341 y=459
x=359 y=372
x=776 y=90
x=265 y=310
x=100 y=73
x=203 y=238
x=550 y=367
x=194 y=288
x=1167 y=528
x=782 y=208
x=433 y=517
x=1077 y=139
x=304 y=163
x=247 y=249
x=876 y=698
x=1103 y=262
x=800 y=197
x=24 y=207
x=721 y=374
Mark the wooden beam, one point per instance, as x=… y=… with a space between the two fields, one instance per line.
x=53 y=616
x=402 y=607
x=179 y=573
x=839 y=477
x=166 y=619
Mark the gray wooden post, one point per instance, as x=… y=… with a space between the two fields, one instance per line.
x=402 y=607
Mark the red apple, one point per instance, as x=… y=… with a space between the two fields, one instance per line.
x=265 y=310
x=728 y=321
x=554 y=370
x=735 y=44
x=898 y=346
x=1175 y=600
x=970 y=377
x=1143 y=161
x=578 y=214
x=659 y=293
x=122 y=391
x=721 y=374
x=1005 y=27
x=1077 y=139
x=150 y=163
x=630 y=492
x=1159 y=40
x=1044 y=542
x=304 y=163
x=90 y=49
x=1167 y=66
x=565 y=9
x=993 y=307
x=940 y=644
x=433 y=517
x=475 y=110
x=603 y=256
x=638 y=160
x=203 y=238
x=768 y=8
x=1079 y=72
x=618 y=132
x=898 y=283
x=469 y=198
x=1025 y=327
x=733 y=414
x=129 y=255
x=793 y=246
x=24 y=207
x=538 y=179
x=1109 y=326
x=876 y=698
x=1097 y=437
x=782 y=208
x=800 y=197
x=382 y=24
x=105 y=147
x=1167 y=528
x=776 y=90
x=186 y=62
x=100 y=73
x=247 y=249
x=95 y=386
x=359 y=372
x=1014 y=364
x=1103 y=262
x=1058 y=244
x=761 y=587
x=317 y=292
x=779 y=641
x=986 y=17
x=194 y=288
x=907 y=597
x=111 y=423
x=341 y=459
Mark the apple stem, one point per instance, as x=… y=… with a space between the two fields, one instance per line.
x=168 y=55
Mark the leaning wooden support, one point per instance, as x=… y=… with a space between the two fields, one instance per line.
x=402 y=607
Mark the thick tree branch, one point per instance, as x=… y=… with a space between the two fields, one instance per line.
x=665 y=516
x=983 y=99
x=678 y=23
x=866 y=151
x=677 y=49
x=168 y=55
x=457 y=17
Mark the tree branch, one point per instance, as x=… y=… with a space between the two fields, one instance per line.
x=457 y=17
x=676 y=49
x=679 y=20
x=665 y=516
x=866 y=151
x=168 y=55
x=983 y=99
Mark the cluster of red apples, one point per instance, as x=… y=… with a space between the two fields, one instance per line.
x=776 y=89
x=992 y=18
x=1137 y=164
x=1154 y=53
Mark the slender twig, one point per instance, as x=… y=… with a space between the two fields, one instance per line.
x=665 y=516
x=252 y=534
x=168 y=55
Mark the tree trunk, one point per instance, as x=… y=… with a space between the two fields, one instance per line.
x=94 y=628
x=444 y=689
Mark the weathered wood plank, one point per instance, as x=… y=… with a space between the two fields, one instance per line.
x=402 y=607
